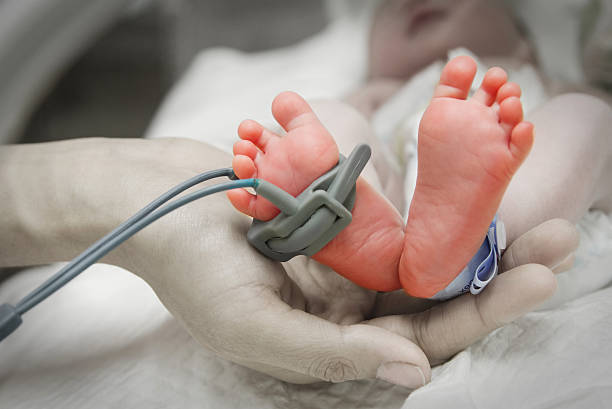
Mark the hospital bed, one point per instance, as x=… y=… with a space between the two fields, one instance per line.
x=137 y=355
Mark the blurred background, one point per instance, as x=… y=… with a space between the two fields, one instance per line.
x=73 y=68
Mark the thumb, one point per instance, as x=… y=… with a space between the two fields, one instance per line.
x=286 y=342
x=451 y=326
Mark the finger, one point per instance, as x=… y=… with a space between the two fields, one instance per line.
x=550 y=244
x=448 y=328
x=398 y=302
x=303 y=346
x=278 y=373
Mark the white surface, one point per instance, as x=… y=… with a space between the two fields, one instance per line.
x=523 y=351
x=554 y=26
x=555 y=359
x=105 y=341
x=224 y=86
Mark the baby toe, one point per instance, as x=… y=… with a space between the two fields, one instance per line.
x=255 y=132
x=245 y=148
x=242 y=200
x=291 y=111
x=456 y=78
x=521 y=141
x=509 y=89
x=491 y=83
x=510 y=113
x=244 y=167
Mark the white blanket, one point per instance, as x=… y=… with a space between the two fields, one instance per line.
x=105 y=340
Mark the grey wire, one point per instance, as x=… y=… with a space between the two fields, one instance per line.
x=115 y=238
x=129 y=222
x=24 y=306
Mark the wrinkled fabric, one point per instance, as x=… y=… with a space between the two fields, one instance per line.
x=105 y=341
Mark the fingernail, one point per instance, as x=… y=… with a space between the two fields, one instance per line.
x=401 y=373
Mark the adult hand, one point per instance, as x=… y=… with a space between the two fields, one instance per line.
x=302 y=325
x=306 y=324
x=527 y=280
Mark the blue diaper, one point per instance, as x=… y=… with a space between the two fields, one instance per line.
x=482 y=268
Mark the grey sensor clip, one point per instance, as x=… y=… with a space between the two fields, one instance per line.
x=311 y=220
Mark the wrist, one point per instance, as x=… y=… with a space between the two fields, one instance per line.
x=58 y=198
x=48 y=205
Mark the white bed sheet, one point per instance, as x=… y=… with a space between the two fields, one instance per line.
x=105 y=341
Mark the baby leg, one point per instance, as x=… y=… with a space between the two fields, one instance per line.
x=350 y=128
x=569 y=169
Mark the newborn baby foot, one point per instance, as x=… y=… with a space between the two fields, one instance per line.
x=368 y=251
x=291 y=162
x=468 y=150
